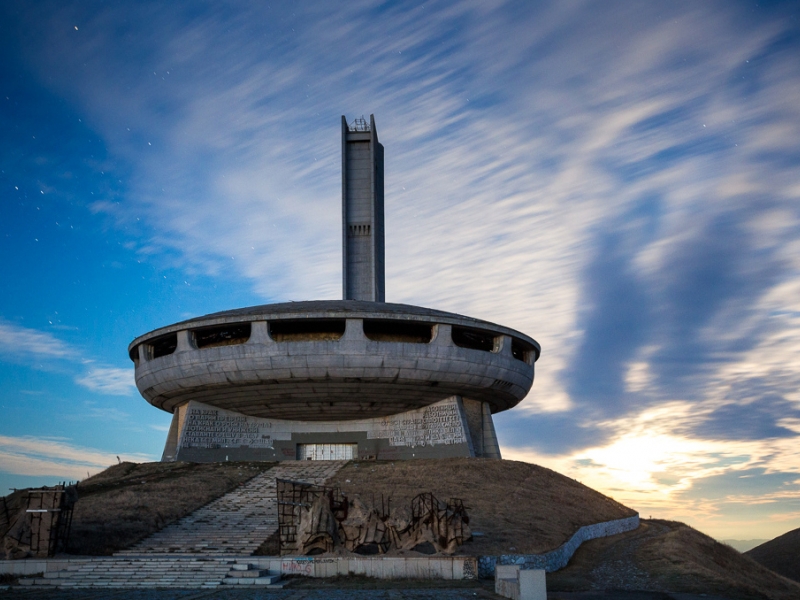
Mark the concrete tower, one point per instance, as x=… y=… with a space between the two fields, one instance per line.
x=362 y=212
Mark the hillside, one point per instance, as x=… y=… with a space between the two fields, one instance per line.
x=514 y=508
x=781 y=555
x=519 y=508
x=666 y=556
x=130 y=501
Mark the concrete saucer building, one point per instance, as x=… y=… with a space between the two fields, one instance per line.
x=333 y=379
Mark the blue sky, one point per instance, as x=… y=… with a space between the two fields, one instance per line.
x=619 y=180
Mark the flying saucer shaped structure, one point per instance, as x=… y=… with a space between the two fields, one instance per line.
x=336 y=378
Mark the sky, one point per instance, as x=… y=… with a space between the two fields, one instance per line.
x=620 y=180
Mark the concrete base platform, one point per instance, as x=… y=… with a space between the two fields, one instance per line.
x=454 y=427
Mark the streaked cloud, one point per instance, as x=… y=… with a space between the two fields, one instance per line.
x=652 y=463
x=619 y=180
x=108 y=380
x=16 y=340
x=35 y=456
x=33 y=346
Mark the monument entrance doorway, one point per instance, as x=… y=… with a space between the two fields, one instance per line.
x=327 y=451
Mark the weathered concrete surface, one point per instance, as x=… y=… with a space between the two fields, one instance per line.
x=362 y=212
x=204 y=433
x=334 y=379
x=511 y=582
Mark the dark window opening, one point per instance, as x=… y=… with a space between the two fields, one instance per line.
x=361 y=229
x=164 y=345
x=520 y=350
x=398 y=331
x=523 y=351
x=222 y=335
x=134 y=354
x=473 y=338
x=306 y=330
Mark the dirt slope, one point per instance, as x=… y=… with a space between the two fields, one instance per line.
x=518 y=507
x=128 y=502
x=666 y=556
x=781 y=555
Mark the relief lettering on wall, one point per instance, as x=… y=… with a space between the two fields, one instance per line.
x=211 y=428
x=430 y=426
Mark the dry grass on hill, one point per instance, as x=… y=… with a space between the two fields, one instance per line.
x=782 y=554
x=519 y=508
x=664 y=556
x=129 y=501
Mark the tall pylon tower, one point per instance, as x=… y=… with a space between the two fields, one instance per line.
x=363 y=276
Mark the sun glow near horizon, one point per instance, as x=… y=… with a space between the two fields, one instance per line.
x=655 y=471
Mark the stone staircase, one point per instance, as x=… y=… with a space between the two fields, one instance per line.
x=238 y=522
x=146 y=572
x=156 y=572
x=205 y=549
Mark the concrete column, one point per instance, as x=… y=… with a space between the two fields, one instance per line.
x=354 y=330
x=491 y=447
x=465 y=426
x=144 y=353
x=473 y=411
x=442 y=335
x=185 y=342
x=502 y=345
x=259 y=333
x=171 y=446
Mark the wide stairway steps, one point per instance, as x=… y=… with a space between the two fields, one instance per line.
x=156 y=572
x=207 y=548
x=137 y=572
x=239 y=521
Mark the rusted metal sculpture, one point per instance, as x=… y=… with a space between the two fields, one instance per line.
x=41 y=525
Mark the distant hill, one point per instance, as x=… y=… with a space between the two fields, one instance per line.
x=743 y=545
x=781 y=555
x=669 y=557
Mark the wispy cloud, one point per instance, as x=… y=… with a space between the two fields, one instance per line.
x=33 y=346
x=108 y=380
x=37 y=456
x=16 y=340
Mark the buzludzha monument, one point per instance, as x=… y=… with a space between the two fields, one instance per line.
x=336 y=379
